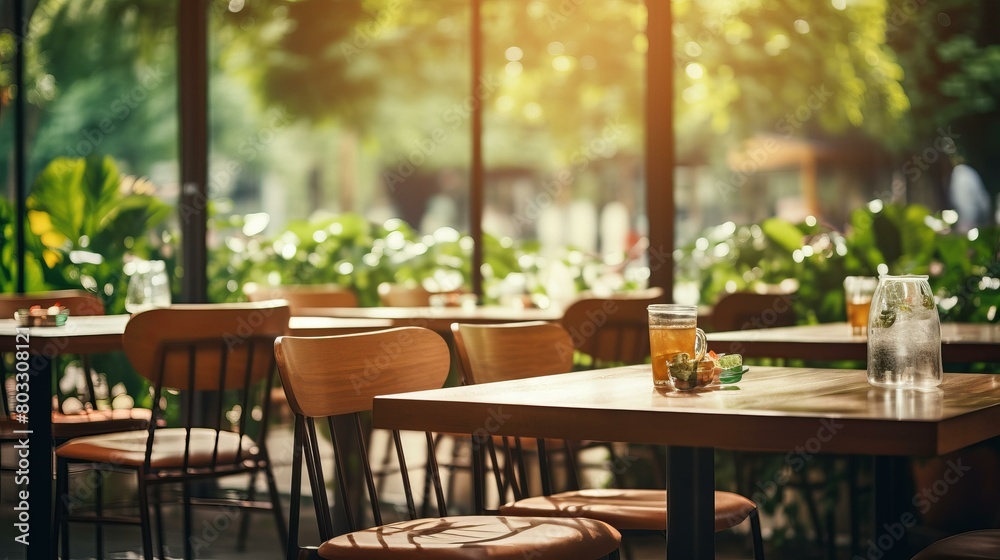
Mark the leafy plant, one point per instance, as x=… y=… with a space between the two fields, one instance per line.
x=964 y=269
x=355 y=253
x=87 y=217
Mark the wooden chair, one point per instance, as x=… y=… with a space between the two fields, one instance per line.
x=521 y=350
x=91 y=420
x=750 y=310
x=966 y=546
x=614 y=329
x=338 y=377
x=303 y=296
x=219 y=360
x=402 y=295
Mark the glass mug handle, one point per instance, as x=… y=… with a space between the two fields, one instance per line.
x=700 y=344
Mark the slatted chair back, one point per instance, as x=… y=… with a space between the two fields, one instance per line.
x=337 y=377
x=509 y=351
x=490 y=353
x=302 y=296
x=613 y=329
x=219 y=359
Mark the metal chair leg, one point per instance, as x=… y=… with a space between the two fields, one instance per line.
x=241 y=535
x=188 y=545
x=758 y=538
x=279 y=516
x=99 y=511
x=147 y=531
x=61 y=525
x=158 y=511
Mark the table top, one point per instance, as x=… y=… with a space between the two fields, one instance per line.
x=326 y=326
x=91 y=334
x=103 y=333
x=960 y=342
x=771 y=409
x=439 y=318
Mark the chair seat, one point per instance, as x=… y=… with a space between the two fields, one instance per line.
x=129 y=448
x=94 y=422
x=626 y=510
x=496 y=538
x=966 y=546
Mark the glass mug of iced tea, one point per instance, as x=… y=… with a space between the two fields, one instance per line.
x=858 y=292
x=673 y=329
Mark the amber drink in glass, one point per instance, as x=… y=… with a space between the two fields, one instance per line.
x=673 y=329
x=858 y=291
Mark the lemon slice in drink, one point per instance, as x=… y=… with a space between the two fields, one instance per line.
x=729 y=361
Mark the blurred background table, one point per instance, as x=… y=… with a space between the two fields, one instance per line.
x=960 y=342
x=438 y=319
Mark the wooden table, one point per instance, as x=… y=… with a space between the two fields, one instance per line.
x=787 y=410
x=94 y=335
x=98 y=334
x=960 y=342
x=438 y=319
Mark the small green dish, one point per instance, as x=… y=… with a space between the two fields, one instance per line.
x=732 y=375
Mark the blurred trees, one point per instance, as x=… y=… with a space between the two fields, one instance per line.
x=951 y=52
x=385 y=73
x=100 y=78
x=895 y=70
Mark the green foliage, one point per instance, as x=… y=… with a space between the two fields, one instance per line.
x=346 y=250
x=951 y=53
x=8 y=248
x=357 y=254
x=964 y=269
x=87 y=217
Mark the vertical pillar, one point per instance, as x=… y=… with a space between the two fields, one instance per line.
x=192 y=69
x=476 y=185
x=20 y=181
x=659 y=157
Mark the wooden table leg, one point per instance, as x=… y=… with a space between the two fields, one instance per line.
x=690 y=502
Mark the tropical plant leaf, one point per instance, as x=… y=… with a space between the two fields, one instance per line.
x=782 y=233
x=57 y=192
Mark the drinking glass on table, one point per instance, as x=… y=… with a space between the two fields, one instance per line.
x=148 y=285
x=673 y=329
x=858 y=291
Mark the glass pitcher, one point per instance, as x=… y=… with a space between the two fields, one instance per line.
x=904 y=334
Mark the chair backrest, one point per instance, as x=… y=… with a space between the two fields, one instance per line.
x=336 y=378
x=402 y=295
x=78 y=302
x=491 y=353
x=301 y=296
x=159 y=342
x=512 y=351
x=612 y=329
x=750 y=310
x=222 y=351
x=336 y=375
